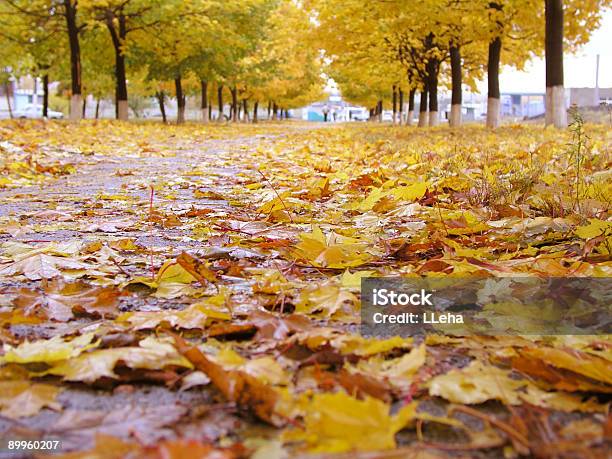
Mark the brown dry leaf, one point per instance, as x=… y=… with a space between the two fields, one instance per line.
x=79 y=429
x=20 y=399
x=193 y=316
x=271 y=326
x=593 y=367
x=61 y=299
x=196 y=268
x=559 y=369
x=237 y=386
x=42 y=266
x=358 y=385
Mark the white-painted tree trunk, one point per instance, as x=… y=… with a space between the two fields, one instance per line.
x=493 y=113
x=76 y=107
x=423 y=120
x=409 y=117
x=205 y=115
x=548 y=103
x=433 y=118
x=122 y=110
x=455 y=115
x=558 y=112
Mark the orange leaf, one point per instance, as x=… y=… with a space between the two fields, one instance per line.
x=196 y=268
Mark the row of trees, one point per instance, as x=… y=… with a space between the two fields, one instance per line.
x=249 y=50
x=384 y=51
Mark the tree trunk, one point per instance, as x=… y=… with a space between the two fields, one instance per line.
x=84 y=106
x=234 y=93
x=255 y=107
x=410 y=115
x=380 y=111
x=161 y=99
x=495 y=45
x=434 y=67
x=274 y=111
x=245 y=110
x=45 y=83
x=556 y=113
x=394 y=105
x=97 y=108
x=493 y=114
x=118 y=39
x=204 y=105
x=7 y=92
x=70 y=12
x=456 y=97
x=401 y=106
x=220 y=102
x=423 y=121
x=269 y=108
x=180 y=100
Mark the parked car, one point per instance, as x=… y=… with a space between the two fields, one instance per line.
x=359 y=114
x=36 y=111
x=387 y=115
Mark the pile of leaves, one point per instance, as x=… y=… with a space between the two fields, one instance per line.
x=22 y=164
x=194 y=291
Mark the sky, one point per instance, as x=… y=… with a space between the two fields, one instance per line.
x=579 y=69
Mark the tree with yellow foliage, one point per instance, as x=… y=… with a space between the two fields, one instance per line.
x=287 y=61
x=427 y=35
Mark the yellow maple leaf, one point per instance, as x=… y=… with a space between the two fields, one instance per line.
x=315 y=248
x=475 y=384
x=335 y=423
x=47 y=350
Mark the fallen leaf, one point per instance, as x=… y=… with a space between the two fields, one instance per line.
x=237 y=386
x=20 y=399
x=335 y=423
x=476 y=384
x=42 y=266
x=151 y=354
x=48 y=351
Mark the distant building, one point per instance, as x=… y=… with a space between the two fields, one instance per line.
x=522 y=105
x=518 y=105
x=337 y=110
x=590 y=97
x=22 y=92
